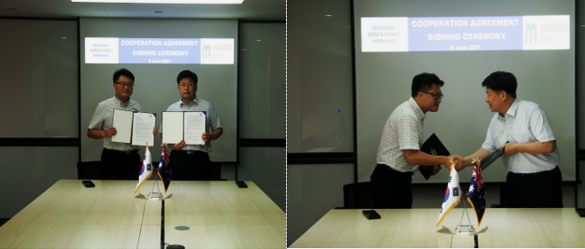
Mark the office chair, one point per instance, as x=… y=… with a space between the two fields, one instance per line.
x=357 y=195
x=89 y=170
x=215 y=172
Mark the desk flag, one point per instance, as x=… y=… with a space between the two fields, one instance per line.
x=164 y=168
x=476 y=193
x=146 y=170
x=452 y=195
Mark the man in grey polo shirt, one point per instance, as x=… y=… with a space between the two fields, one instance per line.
x=531 y=156
x=122 y=158
x=191 y=162
x=399 y=152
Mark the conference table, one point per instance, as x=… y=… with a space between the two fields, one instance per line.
x=500 y=227
x=195 y=214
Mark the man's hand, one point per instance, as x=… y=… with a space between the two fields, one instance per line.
x=178 y=146
x=436 y=169
x=206 y=137
x=154 y=131
x=456 y=161
x=511 y=149
x=110 y=132
x=459 y=163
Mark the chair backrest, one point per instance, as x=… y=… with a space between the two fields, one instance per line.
x=215 y=171
x=357 y=195
x=89 y=170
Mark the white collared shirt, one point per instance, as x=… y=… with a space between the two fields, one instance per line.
x=103 y=118
x=198 y=105
x=525 y=122
x=403 y=131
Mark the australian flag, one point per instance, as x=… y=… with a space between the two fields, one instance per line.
x=476 y=194
x=164 y=168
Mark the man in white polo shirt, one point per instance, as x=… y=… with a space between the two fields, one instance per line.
x=399 y=154
x=531 y=157
x=191 y=162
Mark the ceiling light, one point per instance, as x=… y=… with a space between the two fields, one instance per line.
x=164 y=1
x=328 y=15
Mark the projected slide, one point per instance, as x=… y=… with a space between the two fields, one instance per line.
x=406 y=34
x=108 y=50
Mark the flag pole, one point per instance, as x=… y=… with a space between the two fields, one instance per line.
x=154 y=195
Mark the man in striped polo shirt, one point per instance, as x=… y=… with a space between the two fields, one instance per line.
x=122 y=158
x=399 y=152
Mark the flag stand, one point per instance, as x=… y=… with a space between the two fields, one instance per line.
x=155 y=195
x=465 y=228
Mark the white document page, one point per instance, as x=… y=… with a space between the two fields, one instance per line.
x=123 y=123
x=194 y=128
x=172 y=127
x=142 y=129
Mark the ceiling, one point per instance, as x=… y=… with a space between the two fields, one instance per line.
x=261 y=10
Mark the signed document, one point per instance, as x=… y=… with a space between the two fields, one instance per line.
x=194 y=128
x=172 y=127
x=122 y=121
x=142 y=129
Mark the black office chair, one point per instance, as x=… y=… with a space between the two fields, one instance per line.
x=357 y=195
x=89 y=170
x=215 y=172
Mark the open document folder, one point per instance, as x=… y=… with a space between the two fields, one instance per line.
x=187 y=126
x=134 y=128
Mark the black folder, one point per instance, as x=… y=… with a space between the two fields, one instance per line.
x=491 y=158
x=432 y=146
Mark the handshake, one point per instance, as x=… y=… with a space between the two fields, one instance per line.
x=457 y=162
x=451 y=161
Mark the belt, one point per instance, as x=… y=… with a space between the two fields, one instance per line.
x=534 y=173
x=189 y=152
x=399 y=172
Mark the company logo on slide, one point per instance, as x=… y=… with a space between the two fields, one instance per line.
x=206 y=53
x=101 y=50
x=384 y=34
x=217 y=51
x=530 y=33
x=546 y=32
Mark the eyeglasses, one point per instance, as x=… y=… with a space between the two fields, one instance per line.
x=124 y=84
x=436 y=96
